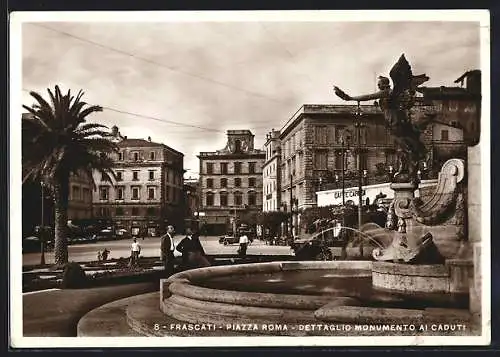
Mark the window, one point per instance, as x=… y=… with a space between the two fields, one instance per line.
x=120 y=156
x=321 y=134
x=237 y=182
x=238 y=199
x=151 y=211
x=363 y=160
x=86 y=195
x=210 y=168
x=444 y=135
x=135 y=175
x=75 y=193
x=151 y=175
x=251 y=182
x=152 y=155
x=151 y=193
x=103 y=193
x=237 y=167
x=339 y=129
x=251 y=167
x=210 y=199
x=223 y=182
x=252 y=199
x=104 y=176
x=320 y=160
x=135 y=211
x=237 y=146
x=119 y=193
x=119 y=211
x=223 y=199
x=119 y=175
x=135 y=155
x=223 y=168
x=135 y=193
x=104 y=212
x=210 y=183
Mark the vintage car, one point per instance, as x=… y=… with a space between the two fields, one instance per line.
x=228 y=239
x=317 y=246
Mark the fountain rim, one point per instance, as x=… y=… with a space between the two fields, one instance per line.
x=185 y=283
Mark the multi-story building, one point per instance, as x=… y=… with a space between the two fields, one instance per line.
x=80 y=197
x=230 y=182
x=148 y=191
x=458 y=107
x=318 y=138
x=271 y=173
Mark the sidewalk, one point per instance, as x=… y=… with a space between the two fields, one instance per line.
x=57 y=312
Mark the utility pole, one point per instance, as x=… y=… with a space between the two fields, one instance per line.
x=42 y=230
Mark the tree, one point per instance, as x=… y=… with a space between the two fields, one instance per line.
x=272 y=220
x=57 y=142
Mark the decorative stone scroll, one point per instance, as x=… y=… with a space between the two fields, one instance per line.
x=417 y=222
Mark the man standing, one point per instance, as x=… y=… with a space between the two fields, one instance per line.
x=167 y=250
x=193 y=254
x=136 y=250
x=243 y=245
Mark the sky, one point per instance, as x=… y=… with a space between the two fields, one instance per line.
x=187 y=83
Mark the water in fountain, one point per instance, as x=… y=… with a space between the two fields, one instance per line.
x=364 y=236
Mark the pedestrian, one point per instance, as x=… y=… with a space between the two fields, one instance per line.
x=105 y=254
x=193 y=254
x=167 y=248
x=135 y=251
x=243 y=245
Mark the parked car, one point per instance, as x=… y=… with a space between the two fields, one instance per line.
x=229 y=240
x=317 y=246
x=32 y=244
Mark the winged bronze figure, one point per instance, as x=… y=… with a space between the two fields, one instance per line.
x=396 y=105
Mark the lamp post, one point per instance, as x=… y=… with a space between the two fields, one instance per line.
x=343 y=170
x=358 y=125
x=291 y=206
x=42 y=229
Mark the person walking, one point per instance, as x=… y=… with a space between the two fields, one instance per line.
x=243 y=245
x=167 y=250
x=135 y=251
x=193 y=254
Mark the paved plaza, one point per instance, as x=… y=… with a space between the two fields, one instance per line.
x=150 y=247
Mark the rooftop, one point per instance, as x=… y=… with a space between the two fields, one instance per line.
x=329 y=109
x=144 y=143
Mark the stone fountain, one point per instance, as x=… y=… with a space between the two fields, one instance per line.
x=429 y=273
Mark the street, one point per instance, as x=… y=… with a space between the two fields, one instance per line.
x=150 y=247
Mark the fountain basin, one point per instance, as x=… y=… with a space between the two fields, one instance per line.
x=292 y=293
x=450 y=279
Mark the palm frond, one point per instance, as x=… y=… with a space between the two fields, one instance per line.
x=84 y=113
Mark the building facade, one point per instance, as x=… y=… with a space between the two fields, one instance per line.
x=320 y=141
x=147 y=193
x=80 y=197
x=230 y=182
x=271 y=173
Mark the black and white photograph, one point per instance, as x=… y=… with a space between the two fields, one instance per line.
x=269 y=178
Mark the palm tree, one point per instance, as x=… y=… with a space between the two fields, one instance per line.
x=58 y=142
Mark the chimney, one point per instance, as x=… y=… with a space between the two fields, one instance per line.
x=149 y=138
